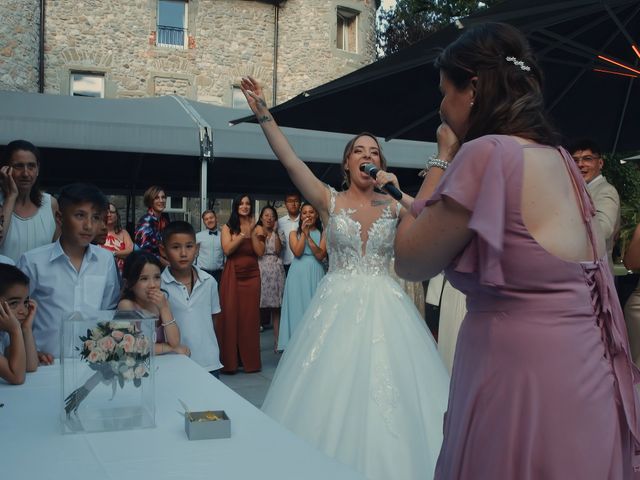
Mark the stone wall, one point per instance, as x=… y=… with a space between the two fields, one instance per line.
x=226 y=39
x=19 y=45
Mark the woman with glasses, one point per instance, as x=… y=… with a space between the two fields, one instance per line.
x=29 y=213
x=118 y=239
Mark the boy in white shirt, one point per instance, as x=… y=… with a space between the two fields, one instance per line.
x=193 y=295
x=70 y=274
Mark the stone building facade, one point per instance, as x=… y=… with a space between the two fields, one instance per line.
x=121 y=45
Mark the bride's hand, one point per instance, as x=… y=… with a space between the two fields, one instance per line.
x=253 y=93
x=382 y=178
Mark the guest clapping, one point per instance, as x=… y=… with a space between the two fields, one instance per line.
x=271 y=270
x=309 y=247
x=238 y=325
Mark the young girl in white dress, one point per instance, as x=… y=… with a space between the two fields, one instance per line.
x=361 y=378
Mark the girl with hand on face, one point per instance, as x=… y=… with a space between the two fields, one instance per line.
x=238 y=324
x=309 y=247
x=361 y=378
x=141 y=291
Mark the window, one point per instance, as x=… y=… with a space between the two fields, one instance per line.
x=172 y=23
x=86 y=85
x=237 y=98
x=176 y=204
x=347 y=30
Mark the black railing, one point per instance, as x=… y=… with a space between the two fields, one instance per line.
x=170 y=36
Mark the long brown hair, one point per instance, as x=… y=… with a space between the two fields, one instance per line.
x=508 y=98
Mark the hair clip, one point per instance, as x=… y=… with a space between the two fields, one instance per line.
x=518 y=63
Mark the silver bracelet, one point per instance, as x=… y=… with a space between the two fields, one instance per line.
x=434 y=161
x=168 y=323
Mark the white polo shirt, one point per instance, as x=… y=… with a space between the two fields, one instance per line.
x=285 y=227
x=60 y=289
x=193 y=316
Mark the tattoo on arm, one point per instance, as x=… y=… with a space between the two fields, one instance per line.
x=262 y=102
x=264 y=118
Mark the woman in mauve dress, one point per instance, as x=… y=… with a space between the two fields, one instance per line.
x=542 y=384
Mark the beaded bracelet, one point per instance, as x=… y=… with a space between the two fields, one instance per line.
x=433 y=161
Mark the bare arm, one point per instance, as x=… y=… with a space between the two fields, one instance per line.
x=258 y=240
x=425 y=245
x=54 y=209
x=128 y=245
x=10 y=190
x=29 y=342
x=297 y=243
x=632 y=255
x=13 y=366
x=301 y=176
x=229 y=242
x=319 y=251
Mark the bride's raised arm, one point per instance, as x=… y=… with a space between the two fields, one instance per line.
x=303 y=178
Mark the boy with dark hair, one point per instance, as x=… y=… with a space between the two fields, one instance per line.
x=17 y=348
x=193 y=295
x=70 y=274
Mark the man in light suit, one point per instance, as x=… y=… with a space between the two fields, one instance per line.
x=588 y=158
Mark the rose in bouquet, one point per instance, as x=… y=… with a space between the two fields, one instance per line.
x=118 y=352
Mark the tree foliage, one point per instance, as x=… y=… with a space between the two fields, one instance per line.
x=411 y=20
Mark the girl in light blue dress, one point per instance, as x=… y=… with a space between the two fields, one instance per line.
x=308 y=244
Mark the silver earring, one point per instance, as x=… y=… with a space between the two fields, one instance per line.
x=471 y=104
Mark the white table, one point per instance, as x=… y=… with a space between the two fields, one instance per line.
x=33 y=447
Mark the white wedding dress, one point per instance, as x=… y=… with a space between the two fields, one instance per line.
x=362 y=378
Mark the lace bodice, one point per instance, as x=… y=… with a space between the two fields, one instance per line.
x=351 y=252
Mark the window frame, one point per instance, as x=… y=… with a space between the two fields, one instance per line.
x=185 y=19
x=85 y=73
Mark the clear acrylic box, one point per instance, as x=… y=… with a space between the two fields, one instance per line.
x=107 y=371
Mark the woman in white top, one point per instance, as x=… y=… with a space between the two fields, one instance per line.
x=29 y=213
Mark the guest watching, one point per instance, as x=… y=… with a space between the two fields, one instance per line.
x=588 y=158
x=4 y=258
x=288 y=224
x=193 y=295
x=17 y=347
x=309 y=247
x=271 y=271
x=70 y=274
x=29 y=213
x=238 y=325
x=210 y=254
x=141 y=291
x=148 y=233
x=542 y=355
x=118 y=240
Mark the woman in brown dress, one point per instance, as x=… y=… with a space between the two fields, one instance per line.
x=238 y=325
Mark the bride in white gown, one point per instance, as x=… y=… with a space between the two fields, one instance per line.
x=361 y=379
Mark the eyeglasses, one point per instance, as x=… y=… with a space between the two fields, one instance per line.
x=586 y=158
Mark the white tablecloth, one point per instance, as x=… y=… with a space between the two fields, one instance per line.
x=33 y=447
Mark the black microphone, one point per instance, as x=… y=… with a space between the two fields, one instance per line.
x=371 y=170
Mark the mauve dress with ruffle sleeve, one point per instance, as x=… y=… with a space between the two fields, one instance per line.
x=542 y=385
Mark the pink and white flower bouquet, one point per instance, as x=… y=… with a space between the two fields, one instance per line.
x=118 y=352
